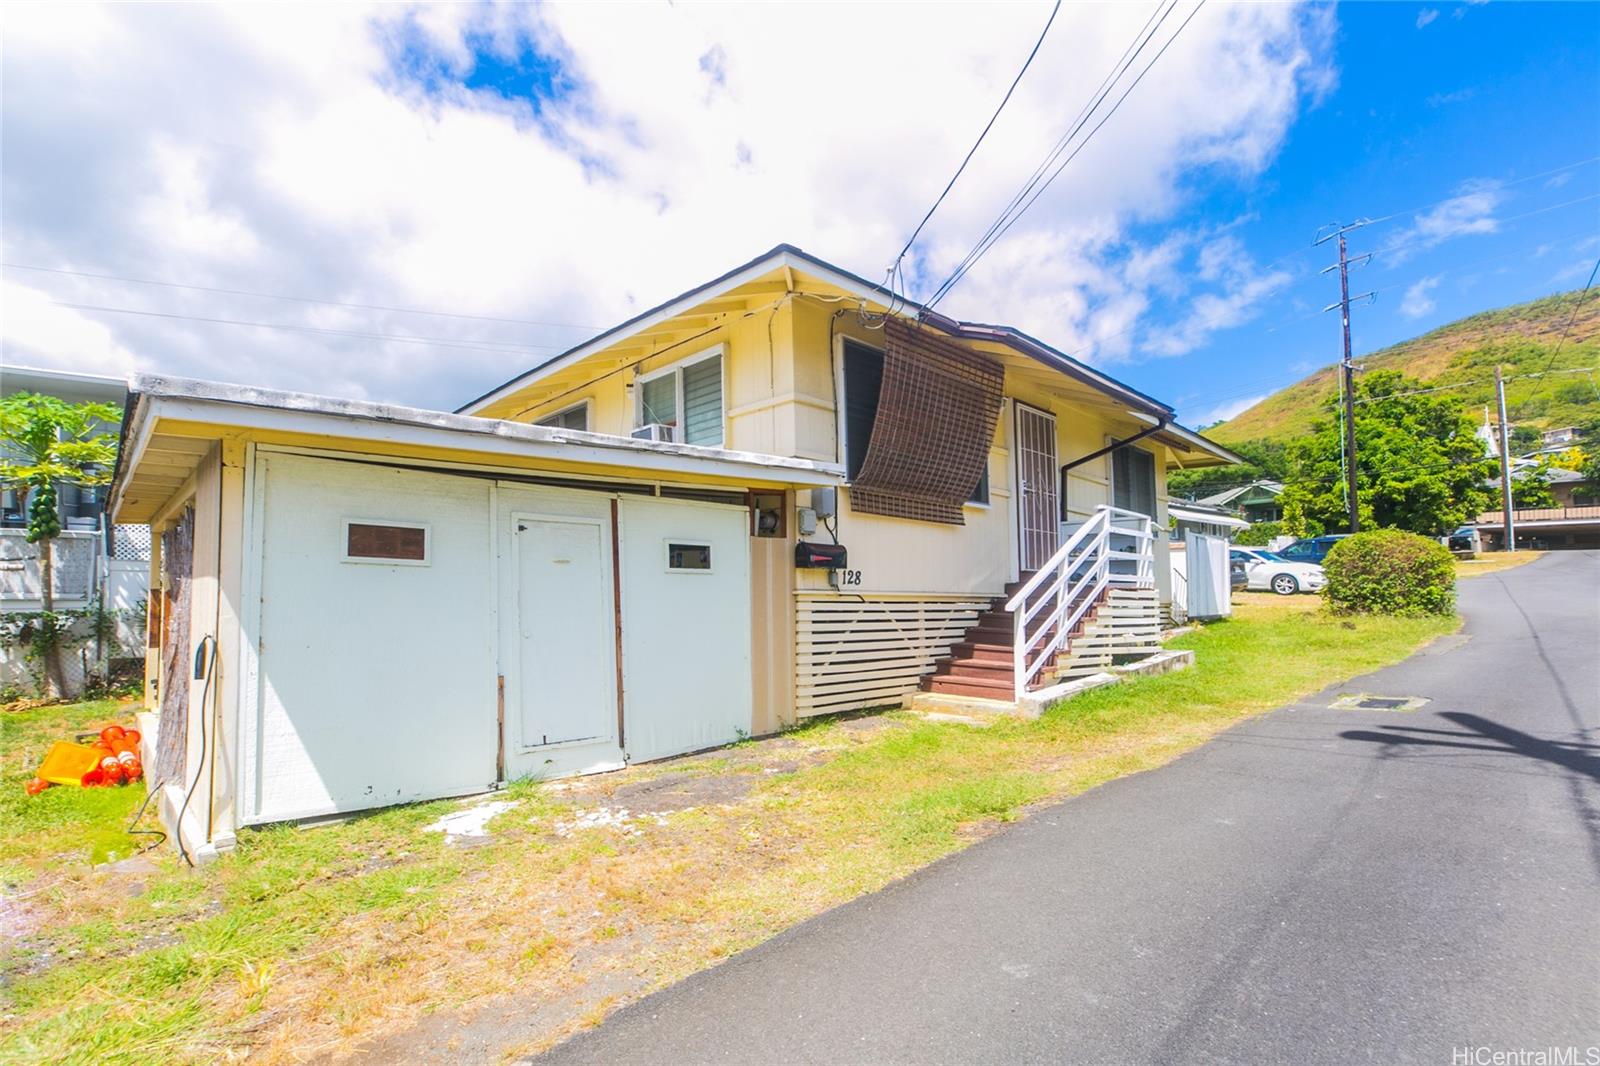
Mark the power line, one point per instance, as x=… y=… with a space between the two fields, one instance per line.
x=1212 y=398
x=895 y=267
x=294 y=299
x=1576 y=307
x=1002 y=224
x=1469 y=384
x=1498 y=185
x=1118 y=68
x=485 y=346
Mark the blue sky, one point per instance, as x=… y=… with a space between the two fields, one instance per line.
x=1425 y=108
x=416 y=202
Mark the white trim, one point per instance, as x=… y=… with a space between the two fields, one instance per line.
x=221 y=405
x=1017 y=493
x=374 y=560
x=588 y=415
x=1183 y=514
x=247 y=799
x=841 y=405
x=716 y=351
x=709 y=568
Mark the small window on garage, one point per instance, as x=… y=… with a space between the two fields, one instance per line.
x=689 y=556
x=382 y=541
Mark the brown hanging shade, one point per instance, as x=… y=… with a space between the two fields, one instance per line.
x=937 y=411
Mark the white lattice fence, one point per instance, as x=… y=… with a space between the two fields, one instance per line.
x=75 y=558
x=854 y=653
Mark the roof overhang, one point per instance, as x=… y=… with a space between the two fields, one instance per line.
x=169 y=418
x=1187 y=514
x=789 y=259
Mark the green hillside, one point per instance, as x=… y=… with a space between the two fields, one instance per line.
x=1521 y=338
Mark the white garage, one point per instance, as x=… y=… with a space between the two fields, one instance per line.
x=356 y=605
x=421 y=634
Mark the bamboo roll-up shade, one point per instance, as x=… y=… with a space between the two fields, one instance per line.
x=937 y=411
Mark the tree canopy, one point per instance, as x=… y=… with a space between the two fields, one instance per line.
x=1419 y=465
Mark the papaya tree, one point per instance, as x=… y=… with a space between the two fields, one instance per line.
x=46 y=442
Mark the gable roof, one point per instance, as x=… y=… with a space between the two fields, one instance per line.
x=1224 y=499
x=787 y=256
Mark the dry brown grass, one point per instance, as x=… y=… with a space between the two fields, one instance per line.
x=1490 y=562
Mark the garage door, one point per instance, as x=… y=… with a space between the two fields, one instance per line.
x=376 y=641
x=685 y=625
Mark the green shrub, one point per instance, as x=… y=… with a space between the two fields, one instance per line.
x=1259 y=535
x=1390 y=572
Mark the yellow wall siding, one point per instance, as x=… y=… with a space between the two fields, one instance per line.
x=781 y=384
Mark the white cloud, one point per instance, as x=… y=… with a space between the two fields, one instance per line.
x=1224 y=411
x=1242 y=288
x=1417 y=301
x=279 y=149
x=1426 y=16
x=1469 y=212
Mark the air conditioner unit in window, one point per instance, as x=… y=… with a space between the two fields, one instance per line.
x=661 y=431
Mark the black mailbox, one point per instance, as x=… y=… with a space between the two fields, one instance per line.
x=819 y=556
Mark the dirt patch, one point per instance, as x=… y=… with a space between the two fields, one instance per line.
x=678 y=792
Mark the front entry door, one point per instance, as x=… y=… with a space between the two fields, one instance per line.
x=1038 y=505
x=565 y=640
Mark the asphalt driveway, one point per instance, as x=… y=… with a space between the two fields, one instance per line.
x=1314 y=885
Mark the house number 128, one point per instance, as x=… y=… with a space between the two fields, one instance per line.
x=849 y=577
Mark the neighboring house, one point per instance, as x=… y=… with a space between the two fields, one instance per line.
x=94 y=562
x=1574 y=522
x=1256 y=502
x=784 y=493
x=1565 y=437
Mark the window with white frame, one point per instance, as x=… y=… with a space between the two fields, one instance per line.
x=574 y=417
x=686 y=396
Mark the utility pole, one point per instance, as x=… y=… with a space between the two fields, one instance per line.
x=1506 y=507
x=1347 y=368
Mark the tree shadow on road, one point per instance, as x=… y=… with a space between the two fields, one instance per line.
x=1482 y=734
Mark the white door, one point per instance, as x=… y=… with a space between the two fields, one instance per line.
x=1038 y=504
x=566 y=639
x=376 y=662
x=685 y=625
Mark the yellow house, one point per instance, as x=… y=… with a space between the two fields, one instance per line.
x=787 y=492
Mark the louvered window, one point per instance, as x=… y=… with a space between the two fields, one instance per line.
x=1133 y=480
x=702 y=402
x=688 y=397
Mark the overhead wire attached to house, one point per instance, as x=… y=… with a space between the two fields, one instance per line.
x=1009 y=217
x=894 y=268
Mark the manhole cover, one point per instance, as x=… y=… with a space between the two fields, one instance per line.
x=1378 y=703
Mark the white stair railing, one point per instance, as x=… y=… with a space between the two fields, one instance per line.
x=1114 y=547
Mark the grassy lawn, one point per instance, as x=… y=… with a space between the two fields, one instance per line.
x=306 y=943
x=1489 y=562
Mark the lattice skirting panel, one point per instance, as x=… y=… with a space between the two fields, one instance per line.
x=852 y=653
x=1127 y=623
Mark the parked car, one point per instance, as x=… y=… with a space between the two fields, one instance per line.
x=1311 y=549
x=1464 y=539
x=1267 y=570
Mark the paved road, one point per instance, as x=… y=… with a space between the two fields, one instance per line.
x=1312 y=886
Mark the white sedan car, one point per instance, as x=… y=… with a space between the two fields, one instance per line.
x=1268 y=570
